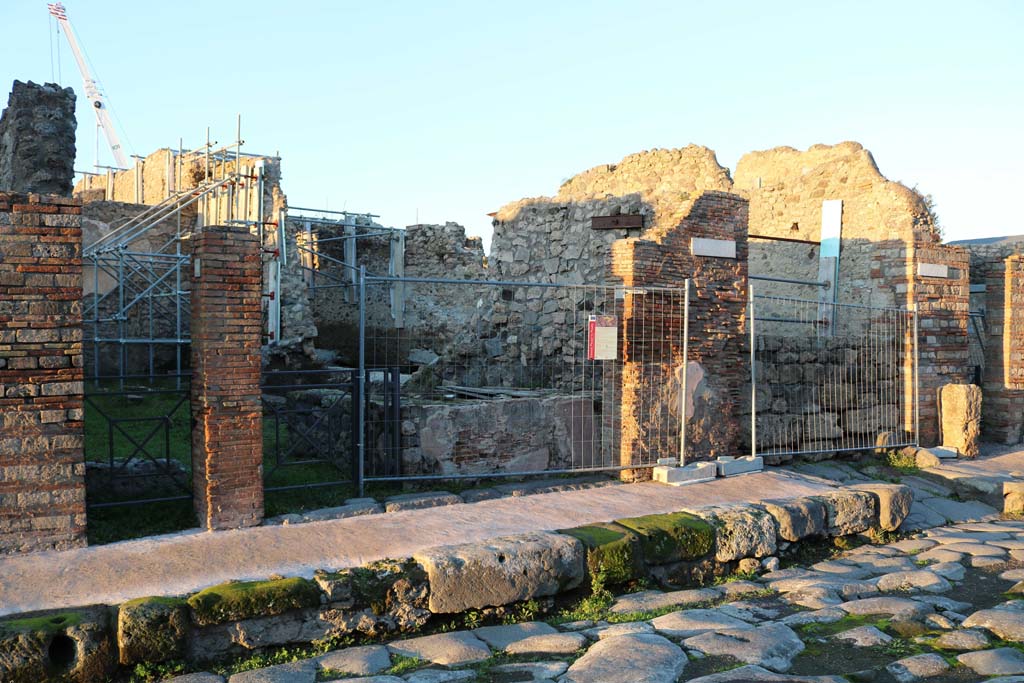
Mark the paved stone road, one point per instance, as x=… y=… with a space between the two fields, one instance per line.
x=938 y=607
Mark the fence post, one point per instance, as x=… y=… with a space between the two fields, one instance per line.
x=361 y=410
x=684 y=384
x=753 y=374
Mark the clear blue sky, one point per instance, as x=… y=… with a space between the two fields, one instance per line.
x=447 y=110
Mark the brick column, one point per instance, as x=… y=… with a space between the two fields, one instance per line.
x=652 y=358
x=227 y=439
x=42 y=469
x=939 y=278
x=1003 y=404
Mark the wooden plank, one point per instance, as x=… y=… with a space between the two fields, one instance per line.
x=627 y=222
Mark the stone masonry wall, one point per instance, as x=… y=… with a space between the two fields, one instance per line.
x=42 y=468
x=227 y=438
x=652 y=366
x=1003 y=383
x=37 y=139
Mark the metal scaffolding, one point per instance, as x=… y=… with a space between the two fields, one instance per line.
x=138 y=272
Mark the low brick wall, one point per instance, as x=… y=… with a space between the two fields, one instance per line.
x=42 y=471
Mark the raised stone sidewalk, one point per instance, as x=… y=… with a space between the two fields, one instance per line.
x=182 y=563
x=938 y=607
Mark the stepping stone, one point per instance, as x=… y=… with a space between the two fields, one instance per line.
x=842 y=569
x=884 y=565
x=814 y=597
x=940 y=554
x=975 y=549
x=1007 y=624
x=917 y=668
x=1013 y=575
x=919 y=580
x=943 y=604
x=621 y=659
x=433 y=676
x=447 y=649
x=954 y=571
x=293 y=672
x=691 y=622
x=983 y=561
x=914 y=545
x=540 y=671
x=898 y=607
x=358 y=661
x=500 y=637
x=757 y=674
x=550 y=644
x=963 y=640
x=1003 y=660
x=829 y=615
x=649 y=601
x=602 y=632
x=737 y=589
x=864 y=636
x=772 y=646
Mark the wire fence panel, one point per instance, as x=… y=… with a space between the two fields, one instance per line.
x=490 y=379
x=832 y=377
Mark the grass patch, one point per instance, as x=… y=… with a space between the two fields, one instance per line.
x=401 y=664
x=50 y=623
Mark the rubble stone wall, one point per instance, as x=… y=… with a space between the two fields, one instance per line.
x=42 y=468
x=37 y=139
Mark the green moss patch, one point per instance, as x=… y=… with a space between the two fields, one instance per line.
x=673 y=537
x=613 y=551
x=48 y=623
x=243 y=599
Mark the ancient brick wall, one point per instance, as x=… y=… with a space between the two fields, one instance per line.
x=227 y=439
x=1003 y=339
x=943 y=304
x=653 y=363
x=42 y=470
x=37 y=139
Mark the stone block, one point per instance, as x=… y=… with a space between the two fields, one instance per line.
x=741 y=531
x=613 y=551
x=502 y=571
x=672 y=537
x=73 y=645
x=730 y=467
x=894 y=501
x=1013 y=497
x=961 y=418
x=849 y=512
x=799 y=518
x=690 y=474
x=238 y=600
x=152 y=630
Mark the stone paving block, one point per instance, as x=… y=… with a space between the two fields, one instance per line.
x=967 y=639
x=502 y=570
x=686 y=623
x=540 y=671
x=1007 y=624
x=757 y=674
x=362 y=661
x=419 y=501
x=200 y=677
x=439 y=676
x=613 y=630
x=849 y=512
x=447 y=649
x=918 y=667
x=741 y=531
x=1001 y=661
x=918 y=580
x=293 y=672
x=894 y=503
x=772 y=646
x=500 y=637
x=617 y=660
x=647 y=601
x=864 y=636
x=553 y=644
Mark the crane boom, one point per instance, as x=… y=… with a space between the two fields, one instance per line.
x=92 y=91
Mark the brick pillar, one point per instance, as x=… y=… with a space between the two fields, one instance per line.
x=651 y=348
x=939 y=278
x=227 y=439
x=1003 y=404
x=42 y=468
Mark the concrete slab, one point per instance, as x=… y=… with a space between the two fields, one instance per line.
x=731 y=467
x=185 y=562
x=693 y=473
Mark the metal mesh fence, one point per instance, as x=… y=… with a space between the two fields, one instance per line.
x=832 y=377
x=488 y=379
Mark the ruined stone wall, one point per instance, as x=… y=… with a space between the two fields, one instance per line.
x=42 y=468
x=37 y=139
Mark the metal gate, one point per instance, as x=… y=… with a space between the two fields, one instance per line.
x=830 y=377
x=138 y=444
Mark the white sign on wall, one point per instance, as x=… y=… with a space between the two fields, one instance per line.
x=702 y=246
x=932 y=270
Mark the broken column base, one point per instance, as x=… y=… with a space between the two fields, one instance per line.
x=688 y=474
x=730 y=467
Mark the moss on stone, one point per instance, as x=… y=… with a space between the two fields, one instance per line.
x=48 y=623
x=613 y=552
x=671 y=537
x=244 y=599
x=152 y=629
